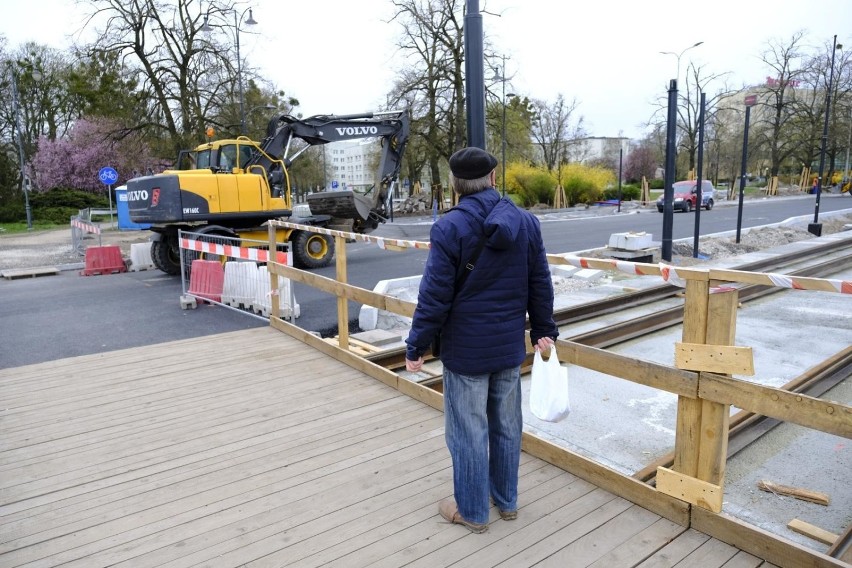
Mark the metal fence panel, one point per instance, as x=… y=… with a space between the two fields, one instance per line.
x=231 y=272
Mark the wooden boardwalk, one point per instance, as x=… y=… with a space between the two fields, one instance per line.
x=254 y=449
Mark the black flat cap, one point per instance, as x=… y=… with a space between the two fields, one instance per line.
x=472 y=163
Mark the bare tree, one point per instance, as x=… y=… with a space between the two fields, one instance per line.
x=779 y=106
x=432 y=84
x=554 y=126
x=187 y=76
x=698 y=81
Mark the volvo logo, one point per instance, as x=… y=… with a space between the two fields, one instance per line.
x=357 y=130
x=137 y=195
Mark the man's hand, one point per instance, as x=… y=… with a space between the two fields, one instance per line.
x=414 y=366
x=543 y=344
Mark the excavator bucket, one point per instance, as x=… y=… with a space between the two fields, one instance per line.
x=343 y=204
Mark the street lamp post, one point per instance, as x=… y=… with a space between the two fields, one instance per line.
x=671 y=157
x=815 y=228
x=500 y=75
x=679 y=55
x=16 y=104
x=237 y=21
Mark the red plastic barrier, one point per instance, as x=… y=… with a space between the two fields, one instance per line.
x=103 y=260
x=207 y=279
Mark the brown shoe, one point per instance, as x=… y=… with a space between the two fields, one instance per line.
x=508 y=515
x=450 y=511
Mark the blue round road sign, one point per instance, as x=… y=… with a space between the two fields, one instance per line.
x=108 y=175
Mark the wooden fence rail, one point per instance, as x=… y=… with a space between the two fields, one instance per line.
x=701 y=379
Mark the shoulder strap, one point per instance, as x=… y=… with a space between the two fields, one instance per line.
x=469 y=266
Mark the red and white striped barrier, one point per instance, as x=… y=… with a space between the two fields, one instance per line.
x=84 y=226
x=670 y=274
x=231 y=251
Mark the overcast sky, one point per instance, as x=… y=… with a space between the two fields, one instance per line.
x=340 y=56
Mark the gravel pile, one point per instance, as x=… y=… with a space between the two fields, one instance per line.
x=54 y=248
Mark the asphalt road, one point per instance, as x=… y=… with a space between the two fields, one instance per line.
x=49 y=318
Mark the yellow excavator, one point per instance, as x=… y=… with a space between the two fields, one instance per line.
x=232 y=187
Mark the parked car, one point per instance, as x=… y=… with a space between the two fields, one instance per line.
x=686 y=196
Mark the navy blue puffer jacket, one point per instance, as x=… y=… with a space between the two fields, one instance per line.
x=482 y=326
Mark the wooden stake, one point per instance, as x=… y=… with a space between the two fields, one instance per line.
x=796 y=492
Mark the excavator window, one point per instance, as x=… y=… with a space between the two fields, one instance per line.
x=227 y=157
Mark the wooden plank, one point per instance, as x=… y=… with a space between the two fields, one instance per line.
x=802 y=282
x=797 y=492
x=714 y=358
x=759 y=542
x=712 y=554
x=675 y=551
x=15 y=273
x=631 y=489
x=641 y=546
x=688 y=420
x=414 y=390
x=689 y=489
x=354 y=293
x=342 y=302
x=575 y=509
x=599 y=542
x=569 y=536
x=812 y=531
x=410 y=529
x=713 y=453
x=826 y=416
x=743 y=560
x=715 y=417
x=663 y=377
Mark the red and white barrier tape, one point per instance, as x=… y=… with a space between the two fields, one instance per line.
x=244 y=253
x=670 y=274
x=381 y=242
x=88 y=227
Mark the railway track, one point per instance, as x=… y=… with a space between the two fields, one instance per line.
x=745 y=427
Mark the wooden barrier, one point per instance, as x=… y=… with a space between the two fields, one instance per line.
x=691 y=492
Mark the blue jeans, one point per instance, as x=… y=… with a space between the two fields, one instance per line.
x=483 y=431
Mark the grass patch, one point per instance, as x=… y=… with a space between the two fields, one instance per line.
x=9 y=228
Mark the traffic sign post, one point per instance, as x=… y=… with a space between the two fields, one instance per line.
x=108 y=177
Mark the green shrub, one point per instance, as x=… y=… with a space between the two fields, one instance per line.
x=629 y=192
x=656 y=183
x=69 y=198
x=530 y=185
x=12 y=212
x=585 y=184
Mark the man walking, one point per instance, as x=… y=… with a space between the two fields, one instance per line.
x=485 y=272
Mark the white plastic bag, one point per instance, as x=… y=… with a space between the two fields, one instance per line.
x=549 y=388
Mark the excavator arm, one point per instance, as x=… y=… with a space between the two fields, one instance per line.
x=366 y=212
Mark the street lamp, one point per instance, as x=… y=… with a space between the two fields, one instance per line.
x=678 y=55
x=500 y=75
x=815 y=228
x=237 y=21
x=16 y=105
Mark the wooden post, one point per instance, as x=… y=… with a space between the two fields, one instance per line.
x=275 y=301
x=559 y=200
x=646 y=191
x=342 y=302
x=713 y=448
x=687 y=433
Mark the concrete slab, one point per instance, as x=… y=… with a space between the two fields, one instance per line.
x=377 y=337
x=589 y=274
x=630 y=241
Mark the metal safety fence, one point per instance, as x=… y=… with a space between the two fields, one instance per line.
x=232 y=272
x=80 y=228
